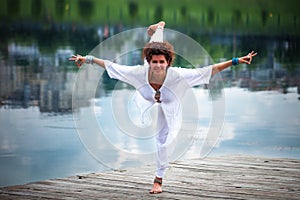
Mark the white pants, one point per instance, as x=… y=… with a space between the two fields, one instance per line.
x=164 y=143
x=158 y=36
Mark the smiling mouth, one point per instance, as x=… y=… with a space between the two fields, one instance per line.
x=158 y=70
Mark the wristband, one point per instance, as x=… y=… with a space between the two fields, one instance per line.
x=89 y=59
x=235 y=61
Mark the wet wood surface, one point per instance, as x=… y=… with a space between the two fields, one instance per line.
x=228 y=177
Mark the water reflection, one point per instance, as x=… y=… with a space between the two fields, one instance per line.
x=261 y=123
x=38 y=138
x=29 y=77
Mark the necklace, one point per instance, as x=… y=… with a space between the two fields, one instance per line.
x=156 y=83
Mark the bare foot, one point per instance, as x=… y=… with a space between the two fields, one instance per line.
x=152 y=28
x=156 y=189
x=157 y=186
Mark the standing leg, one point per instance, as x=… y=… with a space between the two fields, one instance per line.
x=162 y=153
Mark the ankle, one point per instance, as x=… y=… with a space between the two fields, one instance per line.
x=158 y=180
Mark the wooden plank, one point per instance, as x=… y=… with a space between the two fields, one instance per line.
x=234 y=177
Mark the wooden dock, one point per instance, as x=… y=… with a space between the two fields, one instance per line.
x=230 y=177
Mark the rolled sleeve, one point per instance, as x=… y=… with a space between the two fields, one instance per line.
x=127 y=74
x=196 y=76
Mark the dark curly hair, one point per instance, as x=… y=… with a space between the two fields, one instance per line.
x=159 y=48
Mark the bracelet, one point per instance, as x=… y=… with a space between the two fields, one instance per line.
x=89 y=59
x=235 y=61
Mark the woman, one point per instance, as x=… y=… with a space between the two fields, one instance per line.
x=158 y=83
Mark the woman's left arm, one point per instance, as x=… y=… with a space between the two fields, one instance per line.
x=223 y=65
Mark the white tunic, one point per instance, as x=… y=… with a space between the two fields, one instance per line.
x=177 y=81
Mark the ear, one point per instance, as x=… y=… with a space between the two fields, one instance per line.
x=169 y=62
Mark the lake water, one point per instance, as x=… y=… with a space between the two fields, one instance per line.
x=39 y=138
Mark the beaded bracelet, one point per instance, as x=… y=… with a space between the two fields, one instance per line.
x=235 y=61
x=89 y=59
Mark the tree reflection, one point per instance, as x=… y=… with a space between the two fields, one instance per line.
x=31 y=75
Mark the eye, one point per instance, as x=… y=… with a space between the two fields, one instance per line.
x=162 y=62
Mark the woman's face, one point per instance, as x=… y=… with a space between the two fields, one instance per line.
x=158 y=64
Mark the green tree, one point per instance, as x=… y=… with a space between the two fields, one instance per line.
x=86 y=9
x=158 y=15
x=133 y=9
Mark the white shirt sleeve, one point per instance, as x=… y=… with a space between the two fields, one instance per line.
x=119 y=72
x=196 y=76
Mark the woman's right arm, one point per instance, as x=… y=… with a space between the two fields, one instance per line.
x=99 y=62
x=114 y=70
x=79 y=60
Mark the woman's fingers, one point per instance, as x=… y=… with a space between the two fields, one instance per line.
x=247 y=59
x=252 y=53
x=78 y=59
x=78 y=64
x=72 y=58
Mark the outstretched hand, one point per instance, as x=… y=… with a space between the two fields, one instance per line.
x=78 y=59
x=248 y=58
